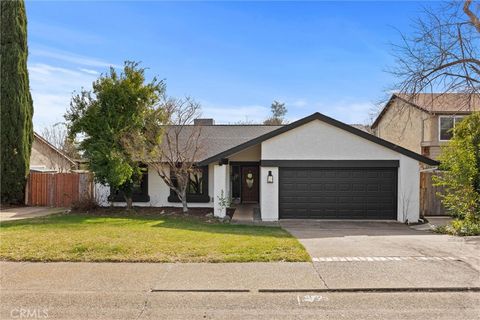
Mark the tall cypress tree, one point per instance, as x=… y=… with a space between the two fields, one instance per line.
x=15 y=102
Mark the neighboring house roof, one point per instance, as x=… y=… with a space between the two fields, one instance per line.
x=52 y=147
x=316 y=116
x=363 y=127
x=435 y=103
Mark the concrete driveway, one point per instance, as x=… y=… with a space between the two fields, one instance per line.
x=19 y=213
x=352 y=254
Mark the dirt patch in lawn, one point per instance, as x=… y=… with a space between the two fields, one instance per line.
x=202 y=214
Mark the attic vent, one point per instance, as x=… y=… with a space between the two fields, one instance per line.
x=203 y=122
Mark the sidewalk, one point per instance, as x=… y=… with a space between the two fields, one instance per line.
x=144 y=277
x=27 y=212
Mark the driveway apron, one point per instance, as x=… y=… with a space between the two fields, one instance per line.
x=372 y=254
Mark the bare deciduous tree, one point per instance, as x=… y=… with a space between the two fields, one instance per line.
x=279 y=111
x=171 y=144
x=57 y=136
x=442 y=53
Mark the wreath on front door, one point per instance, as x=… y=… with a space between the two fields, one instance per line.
x=249 y=180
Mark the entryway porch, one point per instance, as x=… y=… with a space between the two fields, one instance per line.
x=247 y=212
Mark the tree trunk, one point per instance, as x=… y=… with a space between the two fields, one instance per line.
x=184 y=202
x=129 y=202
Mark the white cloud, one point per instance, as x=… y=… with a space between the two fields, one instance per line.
x=52 y=89
x=49 y=109
x=54 y=76
x=48 y=79
x=89 y=71
x=69 y=57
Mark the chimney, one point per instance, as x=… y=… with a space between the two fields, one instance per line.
x=203 y=122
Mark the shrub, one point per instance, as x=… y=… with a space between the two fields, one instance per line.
x=460 y=176
x=85 y=204
x=460 y=228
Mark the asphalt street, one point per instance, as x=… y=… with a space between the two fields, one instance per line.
x=250 y=305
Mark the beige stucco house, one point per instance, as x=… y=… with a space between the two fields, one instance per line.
x=45 y=157
x=422 y=123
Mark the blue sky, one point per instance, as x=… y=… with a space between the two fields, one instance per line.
x=235 y=58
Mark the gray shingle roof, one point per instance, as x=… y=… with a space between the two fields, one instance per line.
x=218 y=138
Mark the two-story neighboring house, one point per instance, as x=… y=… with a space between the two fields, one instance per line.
x=423 y=124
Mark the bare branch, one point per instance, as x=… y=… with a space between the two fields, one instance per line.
x=441 y=55
x=57 y=136
x=473 y=17
x=171 y=143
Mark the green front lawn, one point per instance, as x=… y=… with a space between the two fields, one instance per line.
x=147 y=238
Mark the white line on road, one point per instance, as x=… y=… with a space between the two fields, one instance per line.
x=382 y=259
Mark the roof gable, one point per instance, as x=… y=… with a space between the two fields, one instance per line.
x=328 y=120
x=434 y=103
x=43 y=141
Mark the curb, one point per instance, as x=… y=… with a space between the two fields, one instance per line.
x=201 y=290
x=379 y=290
x=337 y=290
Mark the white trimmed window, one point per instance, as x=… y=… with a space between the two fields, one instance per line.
x=446 y=125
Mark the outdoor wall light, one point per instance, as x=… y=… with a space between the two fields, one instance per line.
x=270 y=177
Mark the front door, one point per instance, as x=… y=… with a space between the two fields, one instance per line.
x=249 y=184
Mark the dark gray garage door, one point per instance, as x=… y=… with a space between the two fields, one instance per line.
x=338 y=193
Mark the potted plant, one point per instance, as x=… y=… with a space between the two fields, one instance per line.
x=225 y=203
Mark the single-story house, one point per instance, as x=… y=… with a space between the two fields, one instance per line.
x=45 y=157
x=313 y=168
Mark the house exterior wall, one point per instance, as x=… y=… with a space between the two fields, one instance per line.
x=408 y=206
x=434 y=152
x=435 y=145
x=405 y=126
x=411 y=128
x=158 y=191
x=218 y=180
x=269 y=194
x=317 y=140
x=249 y=154
x=43 y=156
x=220 y=188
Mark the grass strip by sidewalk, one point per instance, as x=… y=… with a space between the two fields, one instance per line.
x=144 y=238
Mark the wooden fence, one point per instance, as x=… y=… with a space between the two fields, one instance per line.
x=430 y=204
x=58 y=189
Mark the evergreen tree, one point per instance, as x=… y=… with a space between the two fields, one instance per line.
x=15 y=102
x=110 y=118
